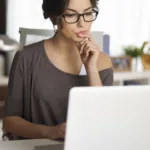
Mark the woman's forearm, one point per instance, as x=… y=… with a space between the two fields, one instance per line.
x=17 y=126
x=93 y=77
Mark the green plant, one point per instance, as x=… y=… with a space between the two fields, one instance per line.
x=132 y=51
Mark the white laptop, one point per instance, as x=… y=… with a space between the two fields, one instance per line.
x=108 y=118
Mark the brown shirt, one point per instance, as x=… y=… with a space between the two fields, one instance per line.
x=38 y=91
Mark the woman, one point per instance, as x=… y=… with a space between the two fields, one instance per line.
x=43 y=73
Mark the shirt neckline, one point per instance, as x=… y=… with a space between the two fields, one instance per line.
x=61 y=71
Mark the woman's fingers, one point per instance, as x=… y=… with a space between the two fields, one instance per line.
x=91 y=39
x=87 y=46
x=61 y=134
x=79 y=45
x=83 y=46
x=63 y=128
x=86 y=39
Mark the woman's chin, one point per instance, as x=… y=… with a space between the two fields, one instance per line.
x=78 y=39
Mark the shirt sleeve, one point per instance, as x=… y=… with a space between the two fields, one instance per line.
x=14 y=101
x=107 y=77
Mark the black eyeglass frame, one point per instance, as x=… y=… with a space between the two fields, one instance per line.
x=79 y=15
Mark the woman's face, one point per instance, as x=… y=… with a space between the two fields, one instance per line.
x=72 y=31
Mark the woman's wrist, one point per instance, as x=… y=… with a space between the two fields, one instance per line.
x=93 y=76
x=49 y=132
x=91 y=69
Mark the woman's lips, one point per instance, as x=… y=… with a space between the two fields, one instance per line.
x=81 y=33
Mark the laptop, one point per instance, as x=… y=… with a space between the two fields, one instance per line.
x=108 y=118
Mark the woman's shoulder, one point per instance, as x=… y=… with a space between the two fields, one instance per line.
x=31 y=51
x=104 y=62
x=29 y=55
x=32 y=48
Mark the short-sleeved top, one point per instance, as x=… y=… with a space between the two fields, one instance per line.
x=38 y=91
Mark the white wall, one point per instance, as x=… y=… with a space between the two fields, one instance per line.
x=127 y=21
x=25 y=13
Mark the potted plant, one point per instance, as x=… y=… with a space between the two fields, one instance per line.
x=134 y=52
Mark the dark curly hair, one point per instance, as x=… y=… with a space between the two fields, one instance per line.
x=54 y=8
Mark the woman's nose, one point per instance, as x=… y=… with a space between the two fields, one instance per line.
x=81 y=22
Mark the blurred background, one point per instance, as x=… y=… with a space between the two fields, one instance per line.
x=122 y=29
x=126 y=21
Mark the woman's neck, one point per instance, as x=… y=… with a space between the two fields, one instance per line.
x=64 y=45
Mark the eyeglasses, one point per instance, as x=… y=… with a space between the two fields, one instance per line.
x=74 y=17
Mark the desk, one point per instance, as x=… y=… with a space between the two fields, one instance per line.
x=25 y=144
x=122 y=76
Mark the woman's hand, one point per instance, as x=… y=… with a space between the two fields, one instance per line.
x=57 y=132
x=89 y=52
x=61 y=130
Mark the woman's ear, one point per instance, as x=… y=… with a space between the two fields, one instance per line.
x=53 y=19
x=56 y=21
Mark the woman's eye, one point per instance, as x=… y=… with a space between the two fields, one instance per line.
x=70 y=15
x=89 y=14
